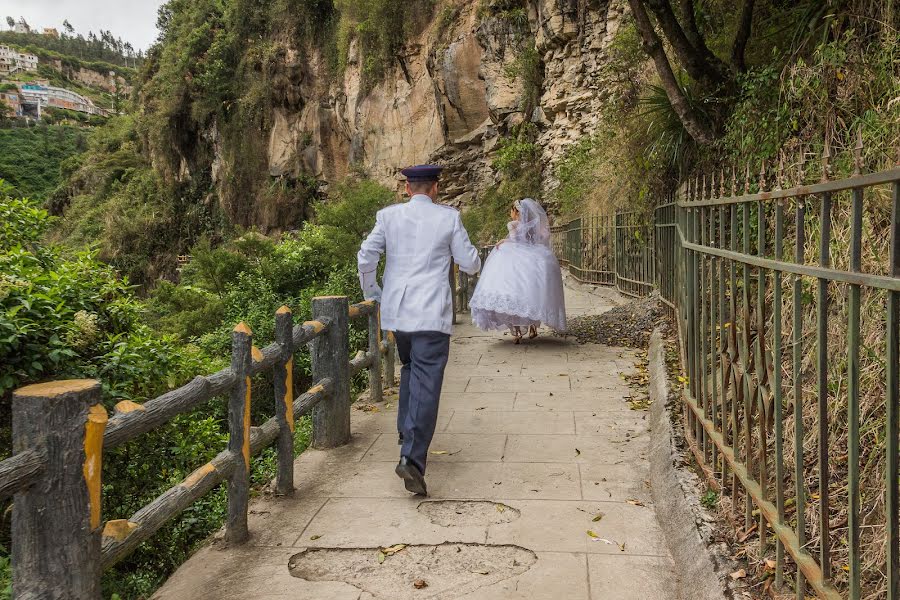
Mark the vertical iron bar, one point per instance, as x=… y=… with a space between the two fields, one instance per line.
x=723 y=345
x=761 y=369
x=853 y=397
x=822 y=387
x=745 y=364
x=892 y=475
x=778 y=392
x=799 y=482
x=713 y=333
x=734 y=356
x=703 y=399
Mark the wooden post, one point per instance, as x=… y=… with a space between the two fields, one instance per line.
x=284 y=401
x=56 y=521
x=453 y=302
x=464 y=288
x=331 y=359
x=389 y=369
x=236 y=531
x=376 y=389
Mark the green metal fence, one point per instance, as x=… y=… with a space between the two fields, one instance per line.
x=787 y=303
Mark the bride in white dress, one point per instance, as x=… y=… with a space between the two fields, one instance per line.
x=521 y=283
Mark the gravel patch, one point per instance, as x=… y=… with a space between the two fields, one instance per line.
x=625 y=326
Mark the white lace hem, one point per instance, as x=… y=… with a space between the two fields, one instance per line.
x=498 y=311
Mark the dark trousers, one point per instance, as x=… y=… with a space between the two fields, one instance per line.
x=424 y=356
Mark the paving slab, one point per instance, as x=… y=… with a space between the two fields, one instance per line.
x=479 y=401
x=631 y=577
x=547 y=525
x=495 y=421
x=534 y=442
x=446 y=447
x=555 y=576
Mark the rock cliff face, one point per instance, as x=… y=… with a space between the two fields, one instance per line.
x=453 y=94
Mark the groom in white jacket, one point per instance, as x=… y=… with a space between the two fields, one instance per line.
x=419 y=238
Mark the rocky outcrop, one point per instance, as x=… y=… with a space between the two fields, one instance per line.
x=452 y=95
x=108 y=81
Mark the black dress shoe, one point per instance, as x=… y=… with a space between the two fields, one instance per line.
x=411 y=476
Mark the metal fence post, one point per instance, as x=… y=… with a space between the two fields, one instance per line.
x=284 y=401
x=330 y=360
x=56 y=521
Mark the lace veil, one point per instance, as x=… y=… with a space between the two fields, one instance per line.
x=533 y=226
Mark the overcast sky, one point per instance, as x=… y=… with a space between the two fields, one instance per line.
x=132 y=20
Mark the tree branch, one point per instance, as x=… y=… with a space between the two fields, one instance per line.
x=689 y=17
x=652 y=45
x=745 y=26
x=699 y=62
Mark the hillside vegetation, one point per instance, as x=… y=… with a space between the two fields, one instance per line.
x=30 y=158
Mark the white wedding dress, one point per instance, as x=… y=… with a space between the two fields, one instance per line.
x=521 y=283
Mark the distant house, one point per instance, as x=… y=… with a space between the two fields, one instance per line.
x=13 y=100
x=13 y=61
x=51 y=31
x=22 y=27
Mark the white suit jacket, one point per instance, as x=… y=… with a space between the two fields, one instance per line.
x=419 y=238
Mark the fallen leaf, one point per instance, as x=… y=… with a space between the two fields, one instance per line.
x=635 y=502
x=621 y=546
x=380 y=557
x=501 y=508
x=577 y=452
x=597 y=518
x=439 y=452
x=393 y=549
x=592 y=534
x=420 y=583
x=481 y=571
x=739 y=574
x=315 y=537
x=770 y=564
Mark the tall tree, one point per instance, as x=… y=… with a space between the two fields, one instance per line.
x=652 y=45
x=745 y=26
x=68 y=27
x=690 y=50
x=696 y=58
x=11 y=22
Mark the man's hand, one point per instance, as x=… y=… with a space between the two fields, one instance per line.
x=373 y=293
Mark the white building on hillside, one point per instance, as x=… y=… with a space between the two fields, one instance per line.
x=12 y=61
x=43 y=96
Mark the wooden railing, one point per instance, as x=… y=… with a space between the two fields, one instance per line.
x=60 y=546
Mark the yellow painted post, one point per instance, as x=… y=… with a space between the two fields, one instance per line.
x=56 y=521
x=236 y=531
x=284 y=401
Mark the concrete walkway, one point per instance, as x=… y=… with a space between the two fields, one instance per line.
x=538 y=484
